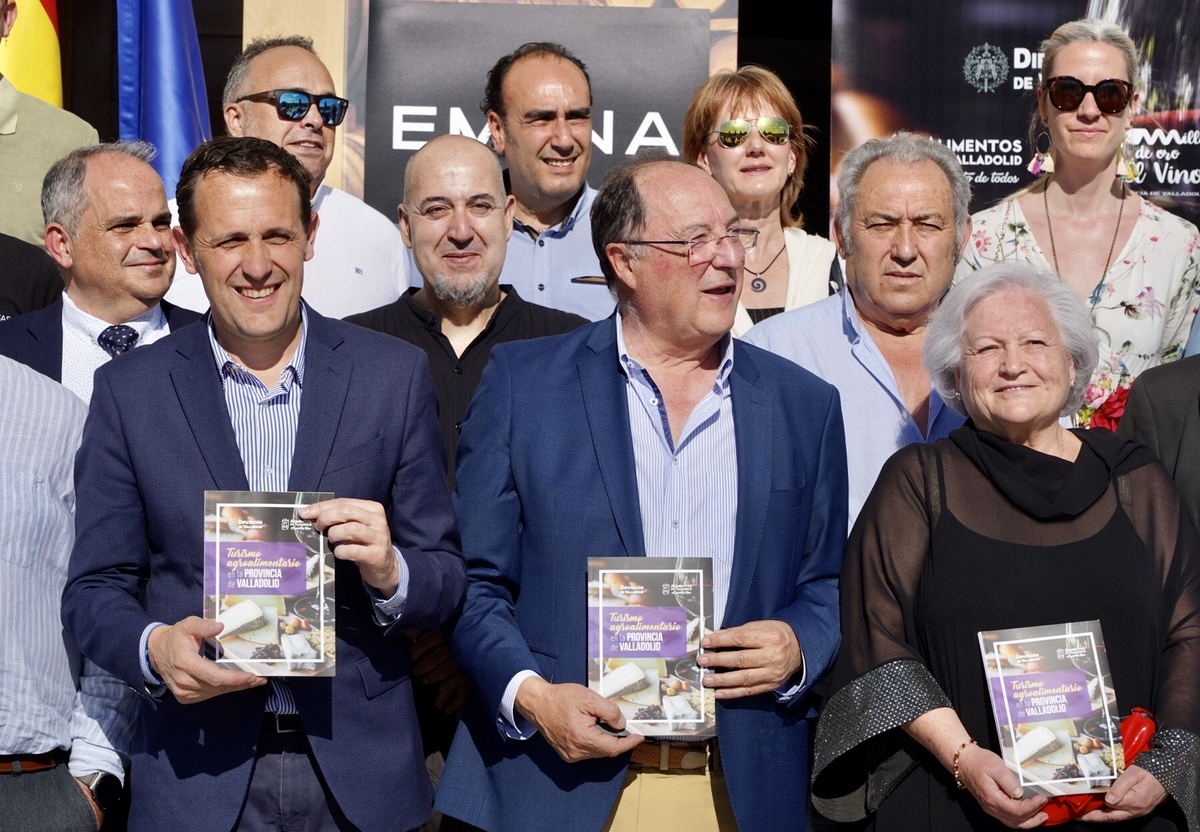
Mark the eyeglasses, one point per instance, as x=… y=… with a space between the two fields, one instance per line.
x=1066 y=93
x=703 y=249
x=735 y=131
x=292 y=105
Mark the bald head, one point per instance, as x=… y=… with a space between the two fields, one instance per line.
x=457 y=219
x=461 y=149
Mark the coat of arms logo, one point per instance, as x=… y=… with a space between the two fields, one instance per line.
x=985 y=68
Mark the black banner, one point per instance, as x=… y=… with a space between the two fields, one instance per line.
x=428 y=63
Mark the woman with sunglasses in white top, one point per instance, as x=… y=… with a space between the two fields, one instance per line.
x=744 y=128
x=1135 y=265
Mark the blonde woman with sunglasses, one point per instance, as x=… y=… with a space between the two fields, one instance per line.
x=1134 y=265
x=744 y=128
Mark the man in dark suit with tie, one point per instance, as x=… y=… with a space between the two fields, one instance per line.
x=265 y=395
x=109 y=230
x=650 y=433
x=1163 y=412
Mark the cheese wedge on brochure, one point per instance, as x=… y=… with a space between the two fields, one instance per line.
x=240 y=618
x=268 y=633
x=1038 y=741
x=647 y=695
x=623 y=680
x=1063 y=755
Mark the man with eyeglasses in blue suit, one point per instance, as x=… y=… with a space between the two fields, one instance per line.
x=279 y=90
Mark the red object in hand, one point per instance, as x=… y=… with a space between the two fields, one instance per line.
x=1137 y=729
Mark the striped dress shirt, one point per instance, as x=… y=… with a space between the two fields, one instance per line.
x=264 y=426
x=40 y=706
x=687 y=492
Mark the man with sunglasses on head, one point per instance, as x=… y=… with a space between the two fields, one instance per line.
x=538 y=103
x=653 y=432
x=901 y=225
x=279 y=90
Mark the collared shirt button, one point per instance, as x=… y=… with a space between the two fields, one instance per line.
x=653 y=402
x=542 y=243
x=674 y=460
x=674 y=524
x=541 y=287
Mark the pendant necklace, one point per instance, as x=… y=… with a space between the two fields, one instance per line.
x=758 y=284
x=1111 y=246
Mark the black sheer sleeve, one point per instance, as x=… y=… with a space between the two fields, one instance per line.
x=880 y=681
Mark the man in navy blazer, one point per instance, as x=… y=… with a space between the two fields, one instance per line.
x=649 y=433
x=109 y=231
x=208 y=408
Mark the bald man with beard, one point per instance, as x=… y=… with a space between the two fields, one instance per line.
x=457 y=219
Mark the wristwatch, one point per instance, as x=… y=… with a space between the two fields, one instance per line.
x=106 y=790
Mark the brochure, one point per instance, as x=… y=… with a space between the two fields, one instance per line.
x=646 y=617
x=269 y=578
x=1055 y=708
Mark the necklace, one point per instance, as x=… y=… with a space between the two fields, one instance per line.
x=1111 y=246
x=758 y=284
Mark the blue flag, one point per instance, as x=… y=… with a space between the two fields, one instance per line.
x=161 y=81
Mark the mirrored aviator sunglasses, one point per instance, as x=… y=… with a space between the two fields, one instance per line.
x=735 y=131
x=292 y=105
x=1066 y=93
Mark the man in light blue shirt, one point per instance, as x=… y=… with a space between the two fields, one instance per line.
x=539 y=109
x=901 y=225
x=58 y=727
x=650 y=433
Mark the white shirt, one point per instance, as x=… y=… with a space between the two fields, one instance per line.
x=82 y=354
x=359 y=260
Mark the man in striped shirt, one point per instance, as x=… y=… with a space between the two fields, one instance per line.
x=57 y=765
x=267 y=395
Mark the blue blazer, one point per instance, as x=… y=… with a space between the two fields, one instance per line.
x=36 y=340
x=546 y=478
x=157 y=435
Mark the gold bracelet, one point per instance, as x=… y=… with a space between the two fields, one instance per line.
x=954 y=769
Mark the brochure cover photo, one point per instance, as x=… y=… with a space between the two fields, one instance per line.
x=646 y=617
x=1054 y=705
x=269 y=578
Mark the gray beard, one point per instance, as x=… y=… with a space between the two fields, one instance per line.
x=462 y=297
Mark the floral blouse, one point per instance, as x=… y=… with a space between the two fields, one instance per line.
x=1142 y=308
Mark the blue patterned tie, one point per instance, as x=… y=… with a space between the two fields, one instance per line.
x=118 y=340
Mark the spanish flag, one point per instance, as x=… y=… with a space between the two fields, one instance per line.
x=30 y=57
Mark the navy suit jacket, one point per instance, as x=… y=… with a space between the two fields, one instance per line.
x=36 y=339
x=1163 y=412
x=546 y=478
x=158 y=434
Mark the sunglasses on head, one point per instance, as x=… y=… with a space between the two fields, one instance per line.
x=1066 y=93
x=292 y=105
x=735 y=131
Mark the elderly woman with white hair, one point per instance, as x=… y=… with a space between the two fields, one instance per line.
x=1012 y=521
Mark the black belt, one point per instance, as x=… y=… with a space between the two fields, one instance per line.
x=282 y=724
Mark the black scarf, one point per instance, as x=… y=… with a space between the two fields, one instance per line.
x=1044 y=486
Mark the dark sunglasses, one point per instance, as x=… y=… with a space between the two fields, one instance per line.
x=1066 y=93
x=292 y=105
x=735 y=131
